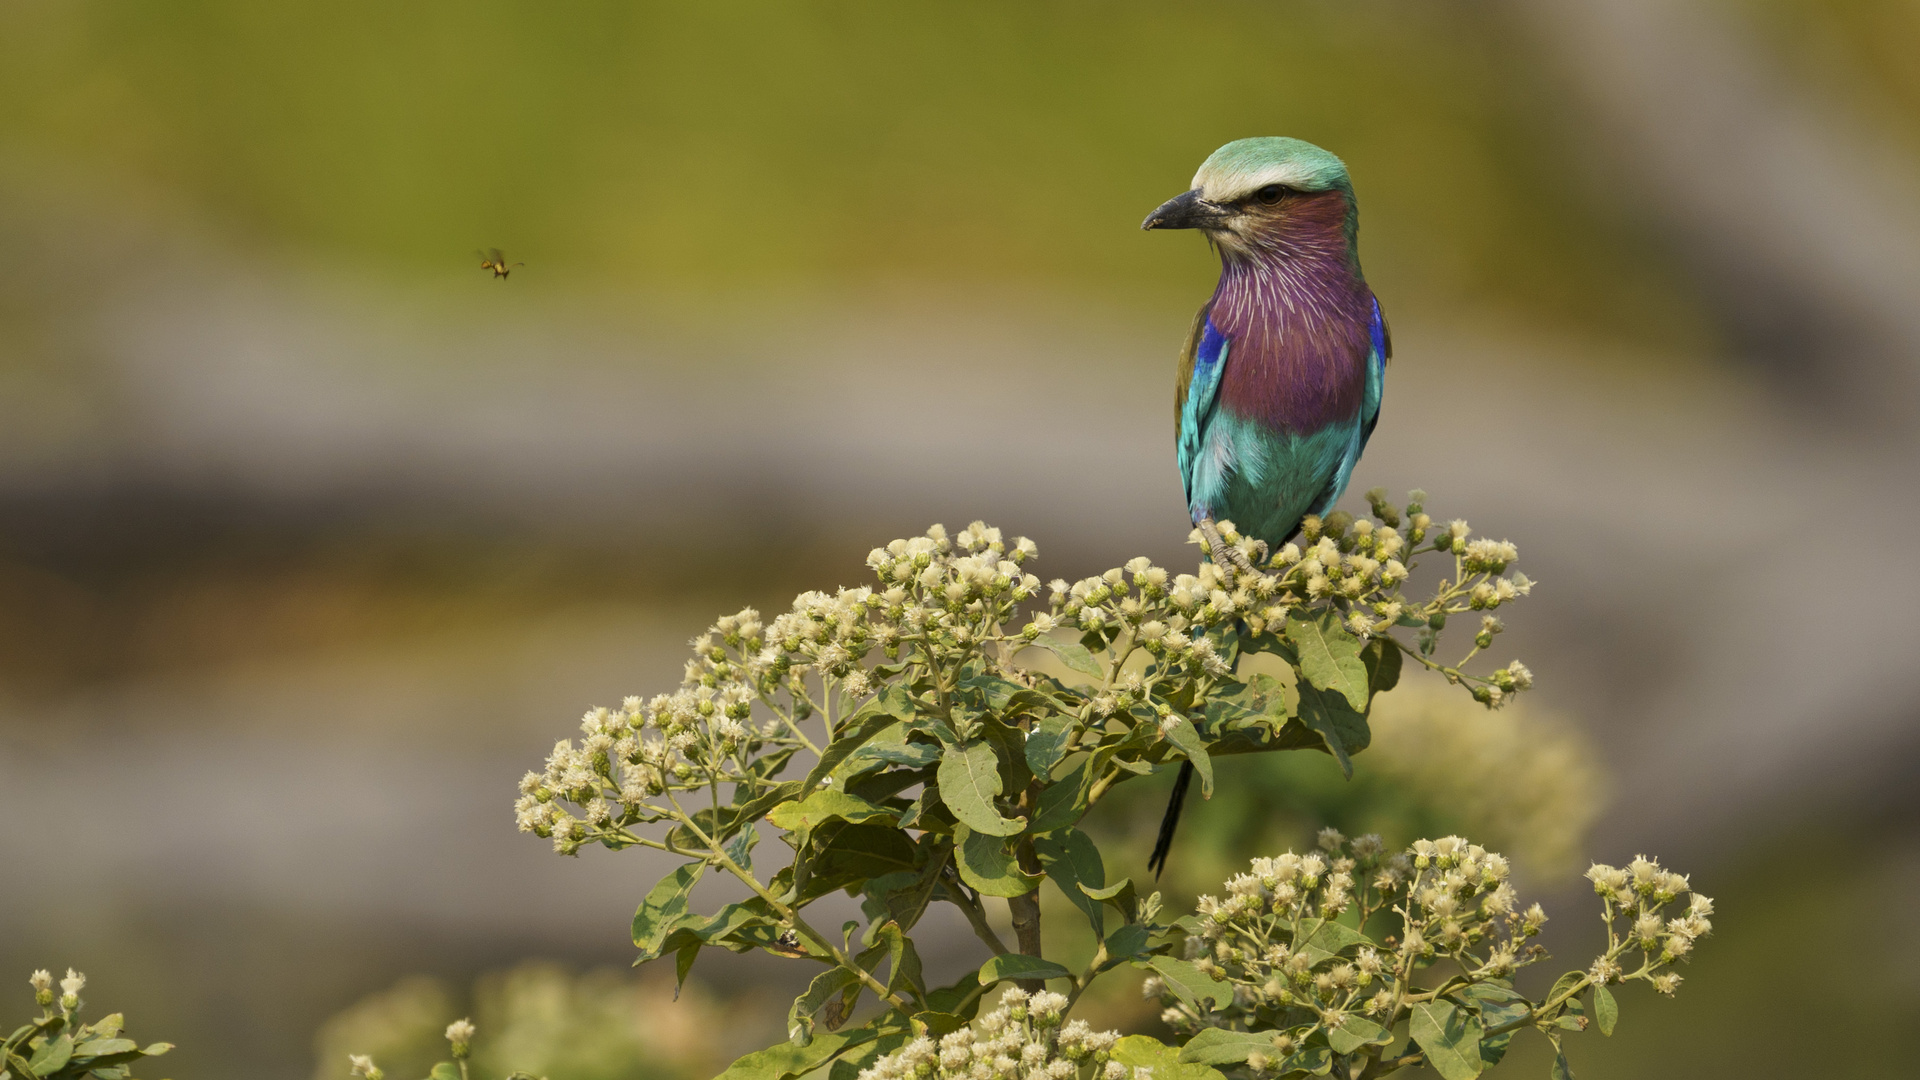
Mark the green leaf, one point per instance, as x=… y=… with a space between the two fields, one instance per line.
x=1190 y=984
x=1494 y=1047
x=1072 y=863
x=664 y=908
x=1217 y=1046
x=1355 y=1032
x=892 y=706
x=1072 y=654
x=1561 y=1070
x=961 y=997
x=1145 y=1051
x=1047 y=744
x=1184 y=736
x=1563 y=984
x=825 y=987
x=1450 y=1037
x=1493 y=1014
x=1343 y=731
x=986 y=864
x=1126 y=943
x=724 y=927
x=740 y=848
x=445 y=1070
x=969 y=780
x=156 y=1049
x=1330 y=657
x=93 y=1048
x=1015 y=966
x=910 y=754
x=1321 y=940
x=1064 y=801
x=903 y=962
x=108 y=1026
x=1494 y=990
x=793 y=1059
x=1010 y=752
x=937 y=1024
x=1006 y=698
x=1120 y=894
x=1382 y=658
x=51 y=1057
x=902 y=897
x=1606 y=1011
x=1317 y=1060
x=823 y=806
x=867 y=851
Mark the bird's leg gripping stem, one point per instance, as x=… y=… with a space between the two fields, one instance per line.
x=1227 y=556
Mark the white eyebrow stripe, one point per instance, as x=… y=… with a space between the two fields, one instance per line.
x=1217 y=188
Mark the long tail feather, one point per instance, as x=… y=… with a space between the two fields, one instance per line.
x=1164 y=843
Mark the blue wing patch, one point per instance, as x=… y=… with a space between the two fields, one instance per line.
x=1376 y=375
x=1203 y=389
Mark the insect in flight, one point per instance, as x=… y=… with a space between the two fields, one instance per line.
x=496 y=260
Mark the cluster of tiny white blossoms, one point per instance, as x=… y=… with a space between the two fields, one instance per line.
x=1636 y=899
x=70 y=987
x=1023 y=1039
x=943 y=599
x=1356 y=568
x=1296 y=972
x=942 y=604
x=1451 y=899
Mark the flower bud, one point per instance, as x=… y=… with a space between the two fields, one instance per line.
x=460 y=1035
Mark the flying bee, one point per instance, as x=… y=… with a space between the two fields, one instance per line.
x=496 y=260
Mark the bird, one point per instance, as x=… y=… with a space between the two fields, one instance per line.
x=1280 y=383
x=496 y=260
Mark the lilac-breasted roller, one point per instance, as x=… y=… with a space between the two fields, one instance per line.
x=1279 y=385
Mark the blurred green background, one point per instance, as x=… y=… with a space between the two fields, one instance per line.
x=313 y=535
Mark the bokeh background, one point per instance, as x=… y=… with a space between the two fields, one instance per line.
x=313 y=536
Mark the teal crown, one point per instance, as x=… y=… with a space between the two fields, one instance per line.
x=1246 y=165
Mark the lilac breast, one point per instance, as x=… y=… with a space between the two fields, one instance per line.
x=1299 y=316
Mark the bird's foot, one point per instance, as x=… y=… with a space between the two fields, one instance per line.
x=1229 y=558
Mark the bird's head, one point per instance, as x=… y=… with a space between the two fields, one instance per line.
x=1249 y=188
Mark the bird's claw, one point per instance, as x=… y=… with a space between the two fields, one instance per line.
x=1230 y=559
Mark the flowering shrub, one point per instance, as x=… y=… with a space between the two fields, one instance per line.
x=1284 y=977
x=938 y=735
x=57 y=1046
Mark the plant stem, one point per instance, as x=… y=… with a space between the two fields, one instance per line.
x=1086 y=977
x=1026 y=909
x=800 y=926
x=977 y=918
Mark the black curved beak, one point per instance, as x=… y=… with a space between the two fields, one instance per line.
x=1187 y=211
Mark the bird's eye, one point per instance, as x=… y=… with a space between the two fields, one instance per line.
x=1270 y=194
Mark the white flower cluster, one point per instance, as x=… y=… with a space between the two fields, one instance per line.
x=1636 y=899
x=1458 y=897
x=1450 y=897
x=1360 y=565
x=1022 y=1039
x=941 y=595
x=70 y=987
x=944 y=604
